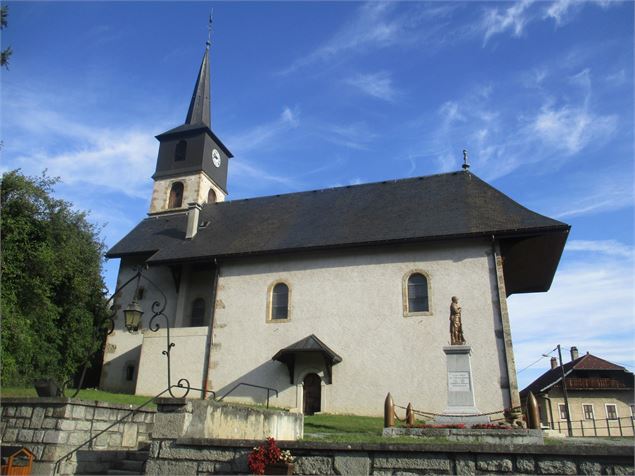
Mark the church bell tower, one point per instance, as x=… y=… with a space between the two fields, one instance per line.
x=192 y=162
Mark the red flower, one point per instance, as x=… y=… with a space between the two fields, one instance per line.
x=263 y=455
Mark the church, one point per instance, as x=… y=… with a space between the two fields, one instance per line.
x=329 y=298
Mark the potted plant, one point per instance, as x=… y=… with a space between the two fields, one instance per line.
x=267 y=458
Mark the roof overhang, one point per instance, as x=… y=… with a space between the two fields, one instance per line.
x=310 y=345
x=530 y=261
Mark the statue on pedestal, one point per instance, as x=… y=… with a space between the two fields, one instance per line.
x=456 y=327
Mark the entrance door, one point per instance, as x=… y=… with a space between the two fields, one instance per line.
x=312 y=394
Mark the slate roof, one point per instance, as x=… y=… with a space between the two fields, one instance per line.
x=451 y=205
x=308 y=344
x=553 y=376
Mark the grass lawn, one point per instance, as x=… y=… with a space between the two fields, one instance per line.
x=86 y=394
x=350 y=429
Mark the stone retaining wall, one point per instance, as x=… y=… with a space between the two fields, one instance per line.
x=51 y=427
x=188 y=456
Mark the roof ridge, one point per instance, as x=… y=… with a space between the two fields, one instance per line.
x=339 y=187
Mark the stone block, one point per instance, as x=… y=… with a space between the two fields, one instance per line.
x=79 y=411
x=158 y=466
x=102 y=414
x=114 y=440
x=37 y=417
x=51 y=436
x=49 y=423
x=314 y=465
x=556 y=466
x=78 y=437
x=38 y=436
x=82 y=425
x=351 y=464
x=129 y=435
x=170 y=451
x=590 y=467
x=10 y=435
x=439 y=464
x=54 y=452
x=171 y=425
x=9 y=411
x=382 y=472
x=89 y=413
x=465 y=465
x=619 y=469
x=48 y=412
x=154 y=449
x=525 y=464
x=101 y=425
x=493 y=463
x=66 y=425
x=240 y=465
x=101 y=441
x=25 y=436
x=64 y=411
x=24 y=412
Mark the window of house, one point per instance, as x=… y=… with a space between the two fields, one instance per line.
x=418 y=293
x=176 y=195
x=198 y=313
x=211 y=196
x=181 y=150
x=562 y=409
x=130 y=372
x=611 y=411
x=280 y=302
x=588 y=412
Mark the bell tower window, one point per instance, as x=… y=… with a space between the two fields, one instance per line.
x=211 y=196
x=181 y=150
x=176 y=195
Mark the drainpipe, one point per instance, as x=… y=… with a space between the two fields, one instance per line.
x=210 y=331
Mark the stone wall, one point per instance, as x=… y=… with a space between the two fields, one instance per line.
x=208 y=456
x=51 y=427
x=178 y=417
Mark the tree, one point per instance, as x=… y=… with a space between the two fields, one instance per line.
x=52 y=288
x=6 y=53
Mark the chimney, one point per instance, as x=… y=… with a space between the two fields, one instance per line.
x=554 y=362
x=193 y=210
x=574 y=353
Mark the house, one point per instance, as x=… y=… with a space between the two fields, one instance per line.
x=599 y=393
x=332 y=297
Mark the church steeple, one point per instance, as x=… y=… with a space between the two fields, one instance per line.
x=199 y=111
x=192 y=163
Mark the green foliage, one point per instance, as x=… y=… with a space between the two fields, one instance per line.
x=52 y=288
x=6 y=53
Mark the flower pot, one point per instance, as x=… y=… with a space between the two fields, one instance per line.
x=279 y=468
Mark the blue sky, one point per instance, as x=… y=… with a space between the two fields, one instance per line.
x=315 y=95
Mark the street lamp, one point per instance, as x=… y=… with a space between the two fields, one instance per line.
x=132 y=315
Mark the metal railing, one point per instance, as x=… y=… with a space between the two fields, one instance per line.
x=268 y=389
x=623 y=426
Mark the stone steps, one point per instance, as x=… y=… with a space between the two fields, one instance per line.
x=133 y=463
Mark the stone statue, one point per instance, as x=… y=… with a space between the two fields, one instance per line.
x=456 y=327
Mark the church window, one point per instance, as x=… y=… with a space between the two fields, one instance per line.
x=416 y=289
x=198 y=313
x=211 y=196
x=176 y=195
x=181 y=150
x=279 y=302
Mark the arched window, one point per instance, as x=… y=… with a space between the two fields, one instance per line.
x=181 y=149
x=418 y=293
x=280 y=302
x=198 y=313
x=176 y=195
x=211 y=196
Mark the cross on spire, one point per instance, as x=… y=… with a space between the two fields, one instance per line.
x=465 y=164
x=209 y=29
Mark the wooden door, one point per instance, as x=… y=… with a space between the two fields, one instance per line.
x=312 y=394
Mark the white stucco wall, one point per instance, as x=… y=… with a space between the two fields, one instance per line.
x=352 y=300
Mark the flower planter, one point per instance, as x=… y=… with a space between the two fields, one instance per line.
x=279 y=468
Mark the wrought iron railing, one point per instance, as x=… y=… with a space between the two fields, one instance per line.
x=623 y=426
x=268 y=389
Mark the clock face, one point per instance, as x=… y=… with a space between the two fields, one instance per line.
x=216 y=158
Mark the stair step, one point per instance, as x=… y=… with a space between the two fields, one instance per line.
x=121 y=471
x=128 y=465
x=137 y=455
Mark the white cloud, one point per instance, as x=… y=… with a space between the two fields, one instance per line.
x=590 y=305
x=513 y=18
x=604 y=192
x=264 y=134
x=608 y=247
x=354 y=135
x=562 y=10
x=378 y=85
x=571 y=129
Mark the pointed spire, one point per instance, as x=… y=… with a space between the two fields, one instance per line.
x=199 y=111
